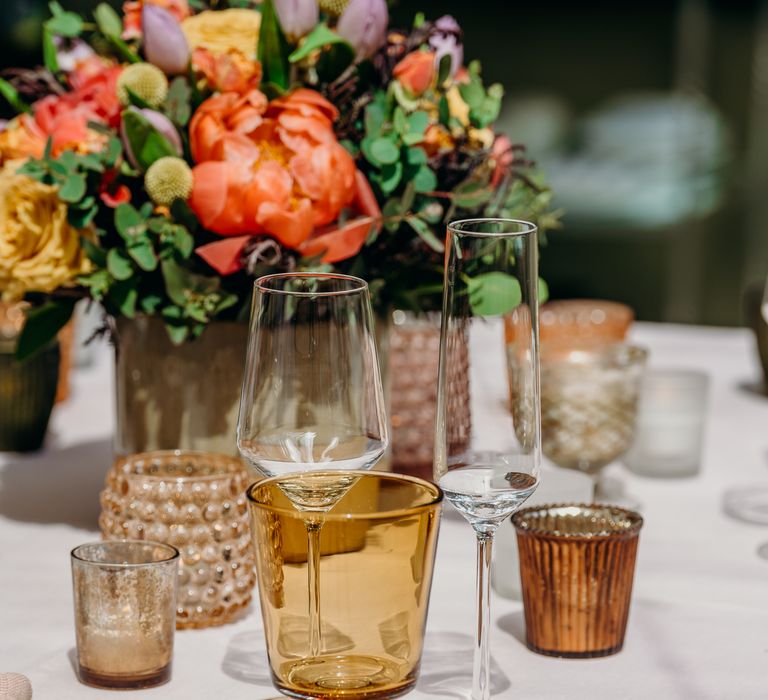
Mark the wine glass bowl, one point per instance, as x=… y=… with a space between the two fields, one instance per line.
x=489 y=466
x=312 y=396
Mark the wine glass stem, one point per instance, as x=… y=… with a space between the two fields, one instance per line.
x=314 y=526
x=481 y=671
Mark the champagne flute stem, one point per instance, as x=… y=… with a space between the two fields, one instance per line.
x=314 y=526
x=481 y=671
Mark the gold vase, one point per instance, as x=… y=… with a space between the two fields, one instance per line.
x=177 y=396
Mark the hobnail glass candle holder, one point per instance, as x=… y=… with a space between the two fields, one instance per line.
x=195 y=501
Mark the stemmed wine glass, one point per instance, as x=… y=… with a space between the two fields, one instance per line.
x=312 y=399
x=489 y=467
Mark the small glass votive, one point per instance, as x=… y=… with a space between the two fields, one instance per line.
x=589 y=399
x=125 y=612
x=377 y=552
x=577 y=564
x=670 y=424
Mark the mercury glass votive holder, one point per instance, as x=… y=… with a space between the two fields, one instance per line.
x=670 y=424
x=125 y=610
x=195 y=501
x=589 y=399
x=577 y=566
x=375 y=573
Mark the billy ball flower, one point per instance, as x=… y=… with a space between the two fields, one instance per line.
x=145 y=81
x=167 y=180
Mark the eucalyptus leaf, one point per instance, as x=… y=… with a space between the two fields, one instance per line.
x=319 y=37
x=493 y=293
x=144 y=255
x=124 y=296
x=73 y=189
x=177 y=104
x=385 y=151
x=119 y=264
x=108 y=20
x=424 y=180
x=129 y=222
x=374 y=119
x=95 y=254
x=389 y=178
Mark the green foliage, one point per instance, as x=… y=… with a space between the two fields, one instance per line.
x=273 y=49
x=484 y=105
x=63 y=23
x=11 y=94
x=493 y=293
x=107 y=20
x=321 y=36
x=147 y=143
x=178 y=103
x=42 y=324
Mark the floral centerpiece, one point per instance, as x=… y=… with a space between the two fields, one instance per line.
x=164 y=157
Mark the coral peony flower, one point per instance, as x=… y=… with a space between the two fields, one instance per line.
x=222 y=30
x=64 y=118
x=416 y=72
x=227 y=72
x=39 y=250
x=132 y=14
x=275 y=168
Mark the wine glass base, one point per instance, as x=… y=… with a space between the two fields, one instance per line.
x=353 y=676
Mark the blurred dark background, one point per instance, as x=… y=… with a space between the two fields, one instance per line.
x=650 y=119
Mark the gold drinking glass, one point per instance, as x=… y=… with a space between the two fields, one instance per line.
x=312 y=399
x=378 y=548
x=125 y=612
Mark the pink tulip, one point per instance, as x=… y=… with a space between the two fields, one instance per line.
x=161 y=123
x=364 y=25
x=297 y=17
x=165 y=45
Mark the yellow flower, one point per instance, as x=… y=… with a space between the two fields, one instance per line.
x=456 y=105
x=222 y=30
x=39 y=250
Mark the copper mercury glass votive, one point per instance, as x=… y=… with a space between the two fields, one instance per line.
x=125 y=602
x=196 y=502
x=577 y=564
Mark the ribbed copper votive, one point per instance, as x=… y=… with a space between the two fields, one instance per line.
x=577 y=563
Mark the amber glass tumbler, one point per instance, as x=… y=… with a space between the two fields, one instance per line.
x=125 y=608
x=377 y=555
x=577 y=563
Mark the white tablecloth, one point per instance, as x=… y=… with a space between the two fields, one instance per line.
x=698 y=628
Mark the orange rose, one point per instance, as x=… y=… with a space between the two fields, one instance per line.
x=227 y=72
x=416 y=72
x=274 y=168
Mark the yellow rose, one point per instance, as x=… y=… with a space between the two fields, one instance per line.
x=222 y=30
x=39 y=250
x=456 y=105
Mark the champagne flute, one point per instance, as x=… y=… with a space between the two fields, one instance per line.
x=312 y=399
x=487 y=468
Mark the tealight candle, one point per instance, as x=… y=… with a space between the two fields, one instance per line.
x=670 y=424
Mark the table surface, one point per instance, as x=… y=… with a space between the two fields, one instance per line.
x=698 y=628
